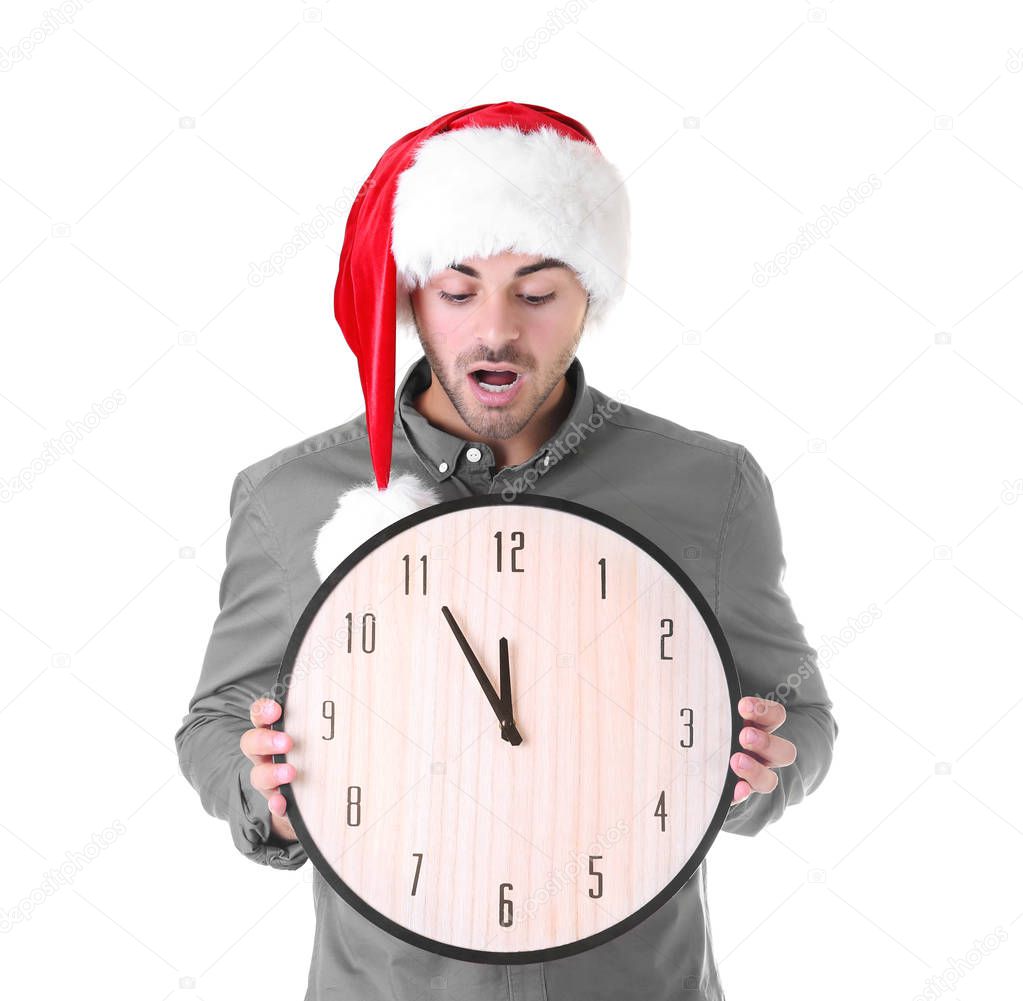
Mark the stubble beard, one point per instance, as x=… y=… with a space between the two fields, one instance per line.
x=499 y=424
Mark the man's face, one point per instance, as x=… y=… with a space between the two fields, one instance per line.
x=519 y=313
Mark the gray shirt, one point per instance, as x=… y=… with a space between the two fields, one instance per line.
x=703 y=500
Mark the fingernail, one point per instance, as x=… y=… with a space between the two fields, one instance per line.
x=750 y=737
x=741 y=761
x=282 y=772
x=280 y=740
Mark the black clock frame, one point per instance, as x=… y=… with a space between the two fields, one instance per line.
x=636 y=917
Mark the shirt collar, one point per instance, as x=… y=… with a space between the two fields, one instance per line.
x=440 y=450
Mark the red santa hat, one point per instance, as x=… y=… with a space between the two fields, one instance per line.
x=474 y=183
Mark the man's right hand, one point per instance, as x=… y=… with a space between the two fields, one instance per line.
x=259 y=745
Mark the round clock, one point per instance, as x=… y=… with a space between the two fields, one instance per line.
x=512 y=727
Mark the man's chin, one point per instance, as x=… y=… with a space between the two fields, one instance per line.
x=492 y=423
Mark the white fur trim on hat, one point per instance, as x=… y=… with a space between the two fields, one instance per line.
x=363 y=511
x=476 y=192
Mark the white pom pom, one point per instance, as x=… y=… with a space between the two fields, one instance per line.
x=365 y=510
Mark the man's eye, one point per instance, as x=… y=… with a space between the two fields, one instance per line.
x=461 y=297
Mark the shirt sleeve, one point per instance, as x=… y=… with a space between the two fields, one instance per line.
x=241 y=664
x=769 y=647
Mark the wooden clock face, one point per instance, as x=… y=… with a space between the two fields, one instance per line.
x=508 y=830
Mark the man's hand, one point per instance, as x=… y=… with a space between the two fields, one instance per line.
x=764 y=750
x=259 y=745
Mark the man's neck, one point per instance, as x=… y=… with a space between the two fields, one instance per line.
x=435 y=405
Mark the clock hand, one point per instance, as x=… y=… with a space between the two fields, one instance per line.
x=481 y=676
x=477 y=667
x=508 y=729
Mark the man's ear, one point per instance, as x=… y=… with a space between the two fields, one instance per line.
x=405 y=313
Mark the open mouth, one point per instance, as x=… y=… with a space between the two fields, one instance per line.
x=497 y=382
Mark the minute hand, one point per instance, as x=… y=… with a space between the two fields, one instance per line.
x=503 y=715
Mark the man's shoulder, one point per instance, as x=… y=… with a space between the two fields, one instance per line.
x=630 y=418
x=318 y=448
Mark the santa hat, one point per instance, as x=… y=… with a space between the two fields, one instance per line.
x=474 y=183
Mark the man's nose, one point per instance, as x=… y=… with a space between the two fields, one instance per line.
x=495 y=320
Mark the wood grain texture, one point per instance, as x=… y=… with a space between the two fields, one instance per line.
x=597 y=708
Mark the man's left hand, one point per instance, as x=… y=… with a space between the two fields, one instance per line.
x=764 y=751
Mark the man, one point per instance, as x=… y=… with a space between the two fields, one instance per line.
x=498 y=402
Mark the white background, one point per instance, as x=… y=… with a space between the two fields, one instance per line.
x=878 y=381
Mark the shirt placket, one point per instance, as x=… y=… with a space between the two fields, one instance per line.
x=475 y=465
x=526 y=982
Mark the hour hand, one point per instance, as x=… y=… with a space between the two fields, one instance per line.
x=508 y=729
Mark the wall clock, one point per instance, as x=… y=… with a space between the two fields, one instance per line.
x=512 y=726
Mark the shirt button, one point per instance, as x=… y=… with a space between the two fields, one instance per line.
x=474 y=455
x=443 y=467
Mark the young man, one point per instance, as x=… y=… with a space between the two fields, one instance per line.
x=499 y=234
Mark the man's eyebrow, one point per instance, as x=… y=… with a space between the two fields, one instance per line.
x=547 y=262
